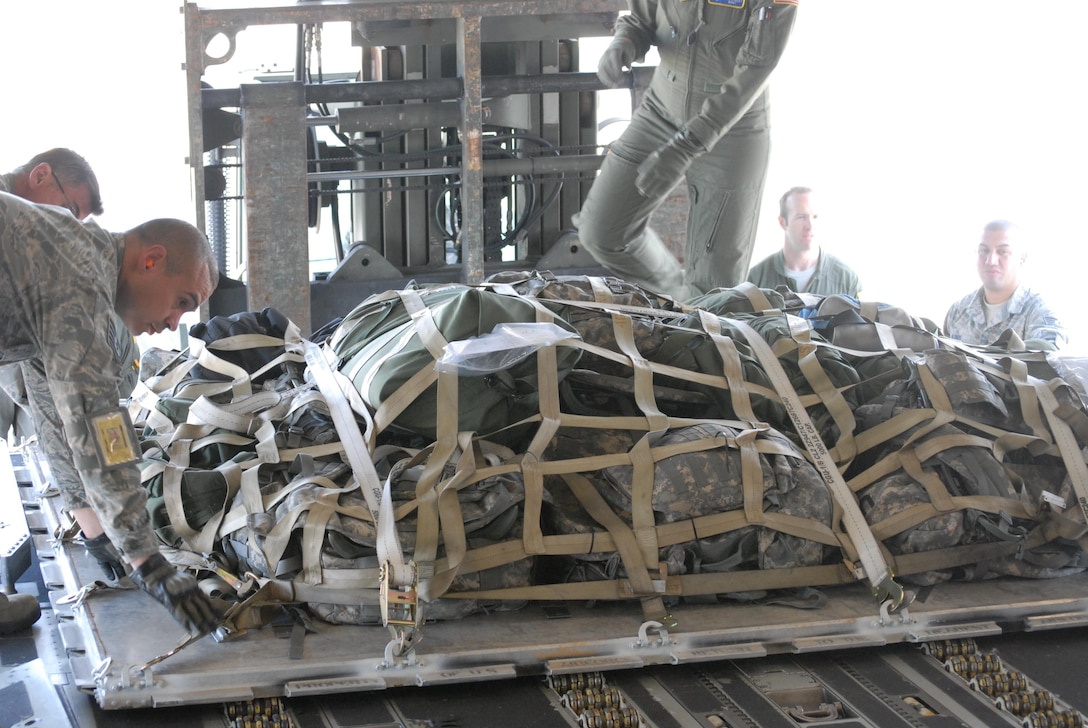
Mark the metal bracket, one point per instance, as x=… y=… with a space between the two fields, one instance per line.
x=644 y=639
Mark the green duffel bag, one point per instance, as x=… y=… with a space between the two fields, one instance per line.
x=381 y=350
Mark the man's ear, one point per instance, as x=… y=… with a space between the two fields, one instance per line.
x=40 y=175
x=153 y=256
x=781 y=222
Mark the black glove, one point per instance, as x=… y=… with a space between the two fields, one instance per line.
x=619 y=54
x=106 y=555
x=663 y=169
x=178 y=592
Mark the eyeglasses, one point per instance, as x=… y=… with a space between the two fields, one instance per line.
x=72 y=207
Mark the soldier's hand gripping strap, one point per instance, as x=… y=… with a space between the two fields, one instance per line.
x=178 y=592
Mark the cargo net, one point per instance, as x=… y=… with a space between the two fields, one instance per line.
x=454 y=449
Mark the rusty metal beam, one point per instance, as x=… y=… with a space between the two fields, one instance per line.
x=472 y=172
x=277 y=247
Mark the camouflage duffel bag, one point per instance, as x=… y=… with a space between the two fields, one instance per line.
x=778 y=517
x=319 y=531
x=719 y=345
x=941 y=489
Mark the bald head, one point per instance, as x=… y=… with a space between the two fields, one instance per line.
x=168 y=269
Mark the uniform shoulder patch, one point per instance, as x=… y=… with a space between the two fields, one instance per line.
x=727 y=3
x=115 y=343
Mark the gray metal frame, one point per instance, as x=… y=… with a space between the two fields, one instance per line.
x=275 y=194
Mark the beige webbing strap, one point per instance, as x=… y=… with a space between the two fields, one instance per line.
x=601 y=292
x=1067 y=444
x=688 y=584
x=428 y=517
x=642 y=461
x=754 y=295
x=897 y=425
x=1029 y=405
x=547 y=374
x=732 y=368
x=366 y=477
x=146 y=395
x=861 y=537
x=832 y=399
x=240 y=383
x=454 y=539
x=625 y=540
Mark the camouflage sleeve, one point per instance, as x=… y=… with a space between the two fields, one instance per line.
x=958 y=321
x=80 y=366
x=47 y=422
x=51 y=436
x=1041 y=323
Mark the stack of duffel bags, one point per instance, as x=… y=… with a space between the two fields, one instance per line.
x=545 y=437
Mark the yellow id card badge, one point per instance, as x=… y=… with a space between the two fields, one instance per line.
x=114 y=439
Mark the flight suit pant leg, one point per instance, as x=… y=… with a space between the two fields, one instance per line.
x=613 y=224
x=725 y=188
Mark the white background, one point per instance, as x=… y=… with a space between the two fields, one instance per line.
x=917 y=123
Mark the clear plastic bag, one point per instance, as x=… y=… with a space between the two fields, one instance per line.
x=505 y=346
x=1074 y=371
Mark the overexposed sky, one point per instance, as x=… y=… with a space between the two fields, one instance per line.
x=916 y=123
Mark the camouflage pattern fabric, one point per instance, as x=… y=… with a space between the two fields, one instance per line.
x=700 y=518
x=47 y=421
x=693 y=484
x=1027 y=315
x=57 y=283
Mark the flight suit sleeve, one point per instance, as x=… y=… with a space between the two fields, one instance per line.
x=638 y=26
x=768 y=33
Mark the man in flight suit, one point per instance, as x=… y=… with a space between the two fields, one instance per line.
x=704 y=118
x=65 y=286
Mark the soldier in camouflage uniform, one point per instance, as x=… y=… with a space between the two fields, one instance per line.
x=62 y=178
x=61 y=283
x=1003 y=303
x=55 y=177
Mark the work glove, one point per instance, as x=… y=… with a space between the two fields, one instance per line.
x=106 y=555
x=663 y=169
x=619 y=54
x=178 y=592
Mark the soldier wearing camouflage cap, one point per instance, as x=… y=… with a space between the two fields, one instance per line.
x=62 y=282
